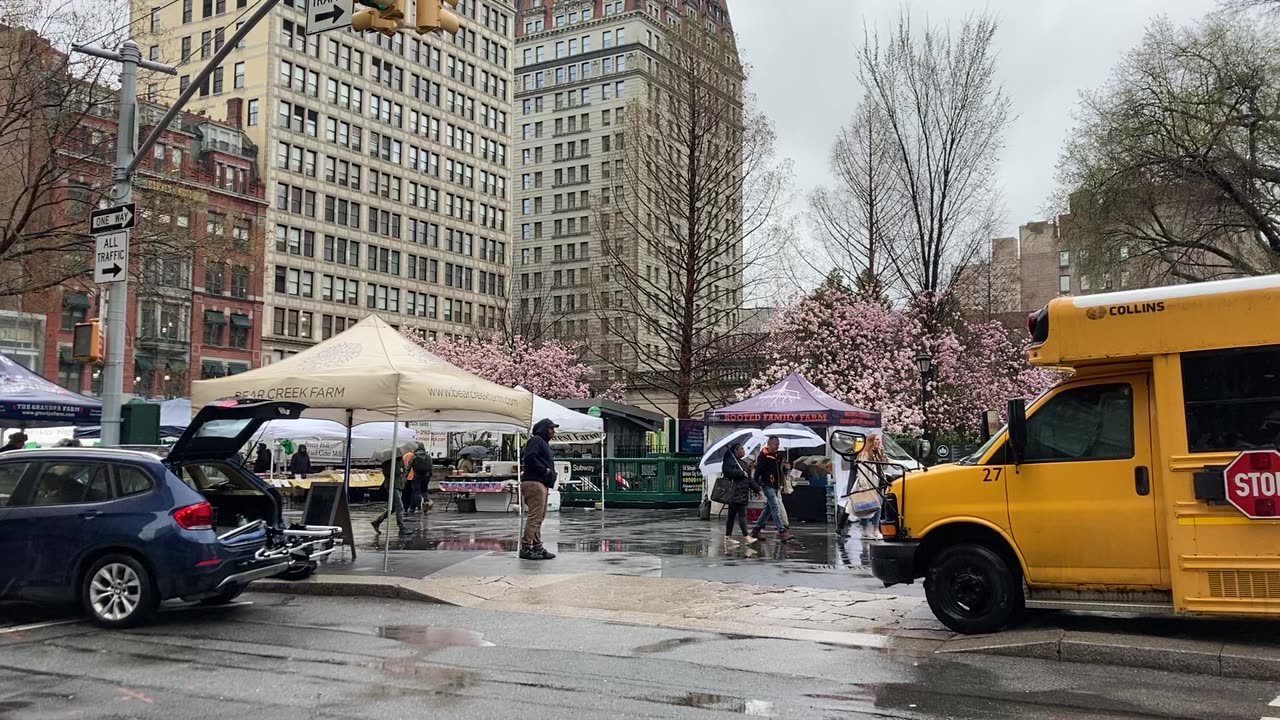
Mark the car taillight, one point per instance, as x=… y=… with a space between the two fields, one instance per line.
x=195 y=517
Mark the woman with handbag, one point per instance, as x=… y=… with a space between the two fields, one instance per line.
x=864 y=502
x=743 y=487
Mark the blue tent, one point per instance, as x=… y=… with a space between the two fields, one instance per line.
x=28 y=400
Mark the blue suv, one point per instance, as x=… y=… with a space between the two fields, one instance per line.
x=120 y=531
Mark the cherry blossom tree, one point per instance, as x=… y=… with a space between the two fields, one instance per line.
x=549 y=369
x=862 y=350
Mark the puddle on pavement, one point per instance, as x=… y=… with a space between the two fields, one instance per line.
x=724 y=703
x=428 y=638
x=670 y=644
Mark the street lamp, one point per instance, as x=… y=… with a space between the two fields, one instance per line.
x=924 y=363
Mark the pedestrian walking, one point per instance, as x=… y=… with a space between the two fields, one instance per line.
x=537 y=478
x=768 y=474
x=262 y=460
x=17 y=441
x=743 y=487
x=393 y=481
x=419 y=481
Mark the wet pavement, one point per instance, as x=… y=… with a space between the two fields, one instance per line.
x=282 y=656
x=666 y=543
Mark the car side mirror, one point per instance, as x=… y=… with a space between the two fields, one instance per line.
x=847 y=444
x=1017 y=430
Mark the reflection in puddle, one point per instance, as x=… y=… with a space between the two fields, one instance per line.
x=428 y=638
x=725 y=703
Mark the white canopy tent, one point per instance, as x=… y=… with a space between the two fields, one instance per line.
x=372 y=373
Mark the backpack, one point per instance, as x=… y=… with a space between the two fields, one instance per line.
x=407 y=462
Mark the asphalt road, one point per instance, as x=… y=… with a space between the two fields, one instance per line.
x=293 y=657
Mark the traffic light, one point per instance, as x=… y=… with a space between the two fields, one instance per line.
x=385 y=17
x=86 y=341
x=432 y=16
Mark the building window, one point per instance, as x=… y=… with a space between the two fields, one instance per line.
x=240 y=282
x=75 y=308
x=1064 y=259
x=1232 y=399
x=1084 y=283
x=70 y=372
x=214 y=279
x=155 y=20
x=1064 y=283
x=215 y=324
x=238 y=81
x=241 y=327
x=253 y=112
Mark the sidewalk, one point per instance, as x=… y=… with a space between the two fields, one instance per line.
x=627 y=588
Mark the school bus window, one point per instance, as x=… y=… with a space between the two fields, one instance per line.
x=1094 y=422
x=1232 y=398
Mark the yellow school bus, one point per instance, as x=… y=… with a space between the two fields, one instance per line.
x=1107 y=492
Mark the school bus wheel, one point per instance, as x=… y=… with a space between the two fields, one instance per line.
x=972 y=589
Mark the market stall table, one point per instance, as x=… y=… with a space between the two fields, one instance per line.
x=488 y=491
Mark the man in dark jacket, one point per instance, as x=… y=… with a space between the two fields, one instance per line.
x=734 y=470
x=769 y=471
x=300 y=463
x=537 y=477
x=262 y=461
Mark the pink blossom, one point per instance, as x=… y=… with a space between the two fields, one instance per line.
x=548 y=369
x=863 y=351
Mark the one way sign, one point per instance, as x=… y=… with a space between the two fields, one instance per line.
x=324 y=15
x=105 y=220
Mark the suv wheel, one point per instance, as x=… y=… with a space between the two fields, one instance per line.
x=972 y=589
x=117 y=592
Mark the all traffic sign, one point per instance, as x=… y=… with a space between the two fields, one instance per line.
x=111 y=257
x=107 y=220
x=1253 y=483
x=325 y=15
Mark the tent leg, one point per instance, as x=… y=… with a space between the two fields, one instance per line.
x=602 y=481
x=391 y=491
x=346 y=474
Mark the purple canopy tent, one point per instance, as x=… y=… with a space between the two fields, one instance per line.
x=29 y=401
x=793 y=400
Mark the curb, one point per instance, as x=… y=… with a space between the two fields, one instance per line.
x=397 y=588
x=1197 y=657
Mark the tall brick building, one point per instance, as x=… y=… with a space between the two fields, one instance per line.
x=195 y=295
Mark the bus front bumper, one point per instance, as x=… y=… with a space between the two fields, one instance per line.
x=894 y=561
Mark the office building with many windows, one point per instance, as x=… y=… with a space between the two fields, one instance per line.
x=386 y=160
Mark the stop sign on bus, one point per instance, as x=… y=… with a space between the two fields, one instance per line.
x=1253 y=483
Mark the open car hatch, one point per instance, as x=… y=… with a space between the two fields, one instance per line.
x=223 y=427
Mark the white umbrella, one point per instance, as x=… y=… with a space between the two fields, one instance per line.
x=790 y=435
x=714 y=457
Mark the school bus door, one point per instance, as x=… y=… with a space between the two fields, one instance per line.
x=1081 y=504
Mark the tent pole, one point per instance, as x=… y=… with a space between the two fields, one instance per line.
x=519 y=495
x=602 y=480
x=391 y=491
x=346 y=476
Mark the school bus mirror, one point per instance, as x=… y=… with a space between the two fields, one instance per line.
x=847 y=444
x=1017 y=429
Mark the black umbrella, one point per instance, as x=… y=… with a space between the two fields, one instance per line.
x=478 y=452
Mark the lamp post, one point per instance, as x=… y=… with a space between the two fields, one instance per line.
x=924 y=363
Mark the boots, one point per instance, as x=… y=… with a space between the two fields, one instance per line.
x=536 y=552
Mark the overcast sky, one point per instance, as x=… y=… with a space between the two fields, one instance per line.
x=803 y=54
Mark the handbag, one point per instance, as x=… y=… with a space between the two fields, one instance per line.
x=866 y=500
x=722 y=491
x=788 y=486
